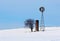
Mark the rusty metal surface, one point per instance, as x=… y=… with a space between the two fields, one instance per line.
x=37 y=25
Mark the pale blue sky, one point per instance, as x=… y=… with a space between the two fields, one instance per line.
x=13 y=13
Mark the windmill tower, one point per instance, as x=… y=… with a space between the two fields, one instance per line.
x=42 y=25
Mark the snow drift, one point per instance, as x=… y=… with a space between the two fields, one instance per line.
x=24 y=34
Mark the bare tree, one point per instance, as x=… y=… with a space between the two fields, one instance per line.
x=29 y=23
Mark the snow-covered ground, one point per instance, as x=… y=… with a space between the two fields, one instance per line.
x=23 y=34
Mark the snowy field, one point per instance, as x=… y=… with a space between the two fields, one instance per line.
x=23 y=34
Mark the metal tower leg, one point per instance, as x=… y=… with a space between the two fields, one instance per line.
x=42 y=25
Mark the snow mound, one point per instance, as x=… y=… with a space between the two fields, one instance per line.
x=24 y=34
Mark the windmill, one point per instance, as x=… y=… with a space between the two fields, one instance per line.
x=42 y=25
